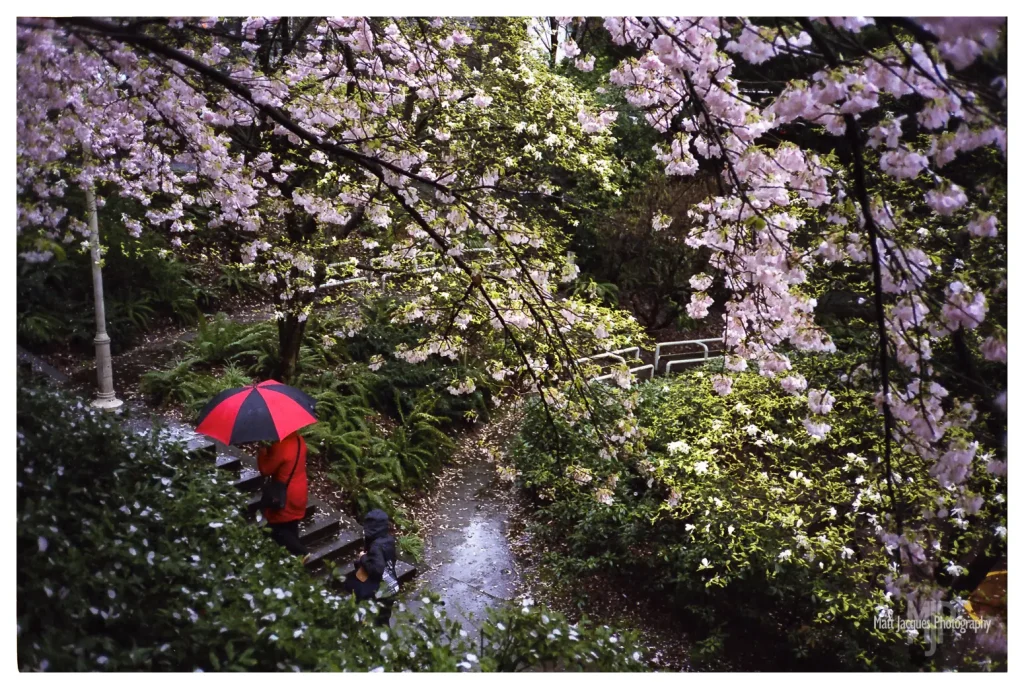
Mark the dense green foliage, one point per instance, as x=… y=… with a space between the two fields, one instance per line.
x=732 y=511
x=144 y=286
x=132 y=555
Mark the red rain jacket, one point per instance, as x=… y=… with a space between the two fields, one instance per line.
x=277 y=461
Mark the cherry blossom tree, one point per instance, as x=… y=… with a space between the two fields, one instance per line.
x=905 y=113
x=289 y=136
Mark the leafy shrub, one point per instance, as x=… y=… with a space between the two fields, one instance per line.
x=132 y=555
x=740 y=518
x=370 y=467
x=183 y=385
x=141 y=285
x=396 y=385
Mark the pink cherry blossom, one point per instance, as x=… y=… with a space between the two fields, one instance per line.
x=817 y=430
x=722 y=385
x=994 y=348
x=820 y=401
x=985 y=225
x=946 y=200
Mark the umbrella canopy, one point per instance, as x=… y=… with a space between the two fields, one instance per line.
x=266 y=411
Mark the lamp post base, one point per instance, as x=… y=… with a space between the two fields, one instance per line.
x=106 y=403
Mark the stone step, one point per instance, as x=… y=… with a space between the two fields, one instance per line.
x=229 y=462
x=319 y=528
x=249 y=481
x=233 y=459
x=404 y=570
x=338 y=550
x=200 y=443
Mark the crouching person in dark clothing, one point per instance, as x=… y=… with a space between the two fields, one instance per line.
x=374 y=577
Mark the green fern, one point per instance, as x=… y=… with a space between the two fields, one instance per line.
x=237 y=281
x=410 y=548
x=39 y=328
x=179 y=384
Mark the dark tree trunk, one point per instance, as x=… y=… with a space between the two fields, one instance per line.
x=289 y=335
x=553 y=23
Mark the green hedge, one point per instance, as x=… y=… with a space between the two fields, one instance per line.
x=132 y=555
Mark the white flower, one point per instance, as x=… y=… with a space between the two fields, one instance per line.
x=700 y=467
x=383 y=636
x=731 y=529
x=678 y=446
x=216 y=525
x=704 y=562
x=785 y=555
x=1001 y=532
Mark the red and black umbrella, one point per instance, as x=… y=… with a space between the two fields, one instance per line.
x=265 y=411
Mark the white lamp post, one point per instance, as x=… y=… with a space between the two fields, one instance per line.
x=105 y=398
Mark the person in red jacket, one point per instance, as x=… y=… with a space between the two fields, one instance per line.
x=278 y=460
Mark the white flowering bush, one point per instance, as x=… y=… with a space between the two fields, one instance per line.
x=132 y=555
x=758 y=519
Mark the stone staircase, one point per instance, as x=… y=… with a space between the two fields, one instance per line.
x=332 y=537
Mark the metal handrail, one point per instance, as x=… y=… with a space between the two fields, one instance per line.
x=614 y=354
x=603 y=355
x=669 y=365
x=632 y=371
x=702 y=343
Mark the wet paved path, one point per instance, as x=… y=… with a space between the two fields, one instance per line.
x=467 y=560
